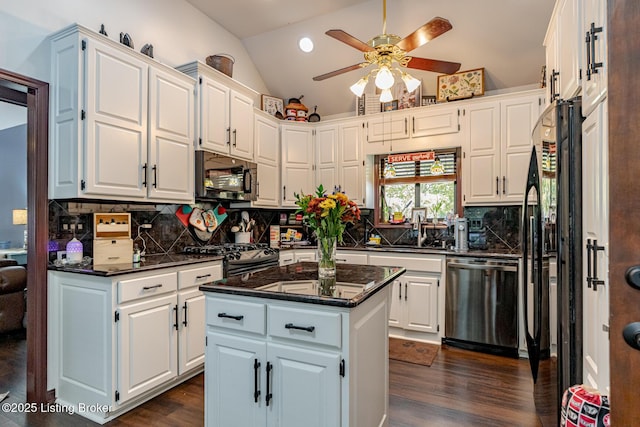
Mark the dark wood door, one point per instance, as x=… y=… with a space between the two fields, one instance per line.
x=624 y=203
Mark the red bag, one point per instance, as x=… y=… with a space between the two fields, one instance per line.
x=584 y=407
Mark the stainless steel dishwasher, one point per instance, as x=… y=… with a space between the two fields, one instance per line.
x=481 y=305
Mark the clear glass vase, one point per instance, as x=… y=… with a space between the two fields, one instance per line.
x=327 y=264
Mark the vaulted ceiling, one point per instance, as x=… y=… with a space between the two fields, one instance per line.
x=503 y=36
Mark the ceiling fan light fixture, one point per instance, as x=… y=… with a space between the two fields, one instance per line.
x=410 y=82
x=386 y=96
x=358 y=87
x=384 y=78
x=305 y=44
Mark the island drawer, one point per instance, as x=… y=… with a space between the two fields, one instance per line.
x=148 y=286
x=311 y=326
x=199 y=276
x=236 y=315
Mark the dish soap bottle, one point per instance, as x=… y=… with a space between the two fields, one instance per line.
x=136 y=254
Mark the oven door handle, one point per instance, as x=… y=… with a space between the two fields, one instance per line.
x=482 y=266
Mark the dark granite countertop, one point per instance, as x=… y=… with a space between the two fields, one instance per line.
x=148 y=263
x=370 y=279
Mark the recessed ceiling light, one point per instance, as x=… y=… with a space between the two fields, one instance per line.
x=306 y=45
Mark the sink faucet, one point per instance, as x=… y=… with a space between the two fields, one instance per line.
x=422 y=235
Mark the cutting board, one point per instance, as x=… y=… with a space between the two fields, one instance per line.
x=221 y=214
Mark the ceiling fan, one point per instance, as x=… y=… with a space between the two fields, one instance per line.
x=385 y=49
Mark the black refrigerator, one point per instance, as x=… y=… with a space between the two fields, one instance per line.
x=552 y=221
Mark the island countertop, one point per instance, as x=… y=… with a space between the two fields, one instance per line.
x=269 y=283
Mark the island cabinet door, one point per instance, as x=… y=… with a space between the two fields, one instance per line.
x=192 y=330
x=305 y=387
x=235 y=381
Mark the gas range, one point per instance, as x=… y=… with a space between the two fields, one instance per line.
x=240 y=258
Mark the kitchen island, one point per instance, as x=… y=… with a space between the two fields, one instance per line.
x=278 y=353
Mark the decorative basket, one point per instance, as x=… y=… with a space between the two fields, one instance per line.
x=221 y=62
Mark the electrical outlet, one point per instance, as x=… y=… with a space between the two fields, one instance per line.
x=145 y=226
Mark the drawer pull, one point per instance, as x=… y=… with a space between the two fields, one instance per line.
x=302 y=328
x=113 y=257
x=147 y=288
x=204 y=276
x=230 y=316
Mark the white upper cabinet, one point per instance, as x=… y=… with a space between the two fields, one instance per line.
x=351 y=172
x=382 y=128
x=327 y=156
x=297 y=161
x=497 y=160
x=119 y=122
x=267 y=156
x=564 y=42
x=224 y=113
x=594 y=62
x=435 y=120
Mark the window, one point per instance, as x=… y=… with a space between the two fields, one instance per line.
x=418 y=180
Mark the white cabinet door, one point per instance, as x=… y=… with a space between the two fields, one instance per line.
x=235 y=381
x=517 y=118
x=421 y=303
x=395 y=306
x=327 y=157
x=435 y=121
x=594 y=78
x=595 y=220
x=483 y=160
x=304 y=255
x=241 y=124
x=351 y=172
x=387 y=126
x=305 y=387
x=267 y=156
x=147 y=345
x=116 y=122
x=286 y=257
x=351 y=257
x=297 y=162
x=569 y=41
x=192 y=330
x=171 y=129
x=215 y=131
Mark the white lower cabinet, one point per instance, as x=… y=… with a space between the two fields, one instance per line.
x=291 y=364
x=120 y=340
x=416 y=306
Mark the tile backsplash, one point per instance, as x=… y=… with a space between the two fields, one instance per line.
x=68 y=219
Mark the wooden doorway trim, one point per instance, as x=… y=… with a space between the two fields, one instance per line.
x=37 y=230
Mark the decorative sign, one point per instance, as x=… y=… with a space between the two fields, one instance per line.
x=461 y=85
x=411 y=157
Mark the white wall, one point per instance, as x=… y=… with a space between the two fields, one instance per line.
x=178 y=32
x=13 y=175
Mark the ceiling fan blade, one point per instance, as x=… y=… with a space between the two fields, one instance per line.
x=340 y=71
x=347 y=38
x=434 y=65
x=429 y=31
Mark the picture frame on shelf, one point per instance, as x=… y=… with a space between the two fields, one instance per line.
x=428 y=100
x=406 y=99
x=460 y=85
x=389 y=106
x=272 y=105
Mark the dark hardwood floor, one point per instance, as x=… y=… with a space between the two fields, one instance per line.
x=461 y=388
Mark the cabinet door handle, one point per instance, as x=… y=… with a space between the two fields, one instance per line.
x=155 y=176
x=256 y=372
x=504 y=185
x=413 y=125
x=405 y=125
x=231 y=316
x=588 y=42
x=144 y=175
x=284 y=192
x=185 y=307
x=497 y=185
x=400 y=290
x=405 y=291
x=554 y=80
x=595 y=281
x=269 y=396
x=302 y=328
x=589 y=278
x=175 y=310
x=204 y=276
x=235 y=137
x=229 y=136
x=148 y=288
x=594 y=65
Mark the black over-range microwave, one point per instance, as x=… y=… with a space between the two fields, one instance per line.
x=226 y=178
